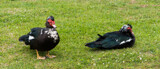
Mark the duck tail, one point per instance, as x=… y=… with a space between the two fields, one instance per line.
x=92 y=45
x=24 y=38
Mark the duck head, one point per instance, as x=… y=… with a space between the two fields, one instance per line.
x=126 y=29
x=50 y=23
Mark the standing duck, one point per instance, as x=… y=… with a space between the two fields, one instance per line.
x=118 y=39
x=42 y=39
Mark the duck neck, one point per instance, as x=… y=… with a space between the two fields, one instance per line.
x=49 y=27
x=132 y=35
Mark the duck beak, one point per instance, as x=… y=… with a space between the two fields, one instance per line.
x=54 y=26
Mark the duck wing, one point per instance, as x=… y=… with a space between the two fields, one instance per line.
x=112 y=40
x=31 y=35
x=35 y=32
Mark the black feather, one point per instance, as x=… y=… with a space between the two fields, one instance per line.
x=22 y=38
x=41 y=39
x=100 y=36
x=117 y=39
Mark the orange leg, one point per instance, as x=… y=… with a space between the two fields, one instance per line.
x=49 y=56
x=39 y=57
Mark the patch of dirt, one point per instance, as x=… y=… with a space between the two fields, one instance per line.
x=29 y=0
x=155 y=5
x=144 y=6
x=149 y=54
x=133 y=1
x=14 y=11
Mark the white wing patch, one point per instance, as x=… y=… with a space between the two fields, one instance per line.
x=122 y=42
x=30 y=32
x=116 y=40
x=46 y=32
x=52 y=34
x=128 y=40
x=30 y=38
x=125 y=41
x=41 y=31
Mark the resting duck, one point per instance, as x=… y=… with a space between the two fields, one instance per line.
x=118 y=39
x=42 y=39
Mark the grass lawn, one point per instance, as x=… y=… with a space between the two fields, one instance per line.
x=78 y=22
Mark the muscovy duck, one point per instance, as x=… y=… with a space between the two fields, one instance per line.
x=115 y=40
x=42 y=39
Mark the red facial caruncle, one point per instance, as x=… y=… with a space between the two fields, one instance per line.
x=129 y=28
x=51 y=23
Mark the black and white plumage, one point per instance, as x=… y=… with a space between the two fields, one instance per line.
x=42 y=39
x=118 y=39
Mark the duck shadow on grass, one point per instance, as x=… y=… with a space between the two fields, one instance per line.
x=104 y=49
x=115 y=48
x=33 y=53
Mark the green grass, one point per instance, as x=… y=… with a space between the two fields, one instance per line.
x=78 y=22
